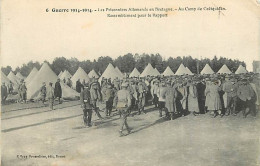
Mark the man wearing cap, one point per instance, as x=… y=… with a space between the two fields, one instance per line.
x=108 y=98
x=10 y=87
x=85 y=101
x=43 y=92
x=23 y=91
x=122 y=102
x=212 y=92
x=95 y=96
x=246 y=93
x=154 y=89
x=58 y=90
x=230 y=88
x=161 y=95
x=170 y=97
x=20 y=91
x=50 y=95
x=142 y=90
x=78 y=86
x=3 y=93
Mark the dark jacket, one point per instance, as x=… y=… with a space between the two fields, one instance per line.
x=85 y=99
x=78 y=86
x=57 y=90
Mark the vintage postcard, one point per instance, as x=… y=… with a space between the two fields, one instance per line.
x=130 y=83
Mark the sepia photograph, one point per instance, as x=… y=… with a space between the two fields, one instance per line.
x=130 y=83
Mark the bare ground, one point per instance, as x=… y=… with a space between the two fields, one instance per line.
x=186 y=141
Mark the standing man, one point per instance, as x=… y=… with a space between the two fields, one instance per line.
x=161 y=95
x=170 y=97
x=108 y=98
x=43 y=92
x=78 y=86
x=142 y=90
x=23 y=91
x=201 y=96
x=154 y=90
x=3 y=93
x=85 y=100
x=95 y=96
x=57 y=90
x=50 y=95
x=10 y=88
x=246 y=93
x=230 y=88
x=122 y=102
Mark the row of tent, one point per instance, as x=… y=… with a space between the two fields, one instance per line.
x=182 y=70
x=45 y=74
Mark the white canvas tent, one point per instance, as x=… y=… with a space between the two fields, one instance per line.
x=134 y=73
x=65 y=75
x=93 y=74
x=13 y=78
x=224 y=70
x=110 y=72
x=19 y=75
x=4 y=79
x=156 y=72
x=240 y=70
x=181 y=70
x=119 y=72
x=168 y=72
x=45 y=74
x=149 y=70
x=60 y=74
x=81 y=75
x=31 y=75
x=188 y=71
x=207 y=70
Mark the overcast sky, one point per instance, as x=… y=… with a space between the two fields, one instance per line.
x=29 y=33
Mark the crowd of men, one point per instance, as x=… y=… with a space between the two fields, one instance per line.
x=174 y=96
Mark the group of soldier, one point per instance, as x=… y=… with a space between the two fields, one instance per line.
x=174 y=96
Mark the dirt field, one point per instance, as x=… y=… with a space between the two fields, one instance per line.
x=186 y=141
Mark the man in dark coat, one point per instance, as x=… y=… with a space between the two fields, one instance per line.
x=57 y=90
x=85 y=100
x=201 y=96
x=78 y=86
x=3 y=93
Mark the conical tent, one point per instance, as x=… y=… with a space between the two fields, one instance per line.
x=60 y=74
x=168 y=72
x=65 y=75
x=156 y=72
x=181 y=70
x=31 y=75
x=79 y=75
x=188 y=71
x=240 y=70
x=110 y=72
x=119 y=72
x=4 y=79
x=149 y=70
x=134 y=73
x=207 y=70
x=45 y=74
x=19 y=75
x=93 y=74
x=15 y=80
x=224 y=70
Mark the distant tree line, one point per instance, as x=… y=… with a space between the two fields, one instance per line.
x=127 y=63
